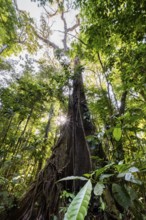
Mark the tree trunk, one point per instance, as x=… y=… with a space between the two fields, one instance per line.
x=44 y=145
x=70 y=156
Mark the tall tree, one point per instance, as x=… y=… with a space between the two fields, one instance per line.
x=111 y=45
x=70 y=156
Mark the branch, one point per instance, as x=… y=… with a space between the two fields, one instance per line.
x=103 y=68
x=16 y=5
x=50 y=43
x=73 y=36
x=74 y=26
x=65 y=32
x=123 y=103
x=50 y=14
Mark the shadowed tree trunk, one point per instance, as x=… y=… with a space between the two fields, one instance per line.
x=44 y=145
x=70 y=156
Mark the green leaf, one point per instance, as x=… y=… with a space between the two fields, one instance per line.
x=127 y=174
x=99 y=171
x=122 y=167
x=133 y=169
x=132 y=193
x=105 y=176
x=121 y=195
x=98 y=189
x=129 y=177
x=102 y=204
x=121 y=174
x=66 y=194
x=129 y=170
x=117 y=133
x=73 y=178
x=77 y=210
x=88 y=175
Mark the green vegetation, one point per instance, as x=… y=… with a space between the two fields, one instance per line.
x=73 y=130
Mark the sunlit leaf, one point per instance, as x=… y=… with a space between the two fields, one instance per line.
x=77 y=210
x=117 y=133
x=73 y=178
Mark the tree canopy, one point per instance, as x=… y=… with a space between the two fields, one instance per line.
x=73 y=121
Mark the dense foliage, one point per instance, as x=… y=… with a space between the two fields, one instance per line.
x=111 y=47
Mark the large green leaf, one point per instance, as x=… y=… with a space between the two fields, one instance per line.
x=77 y=210
x=121 y=195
